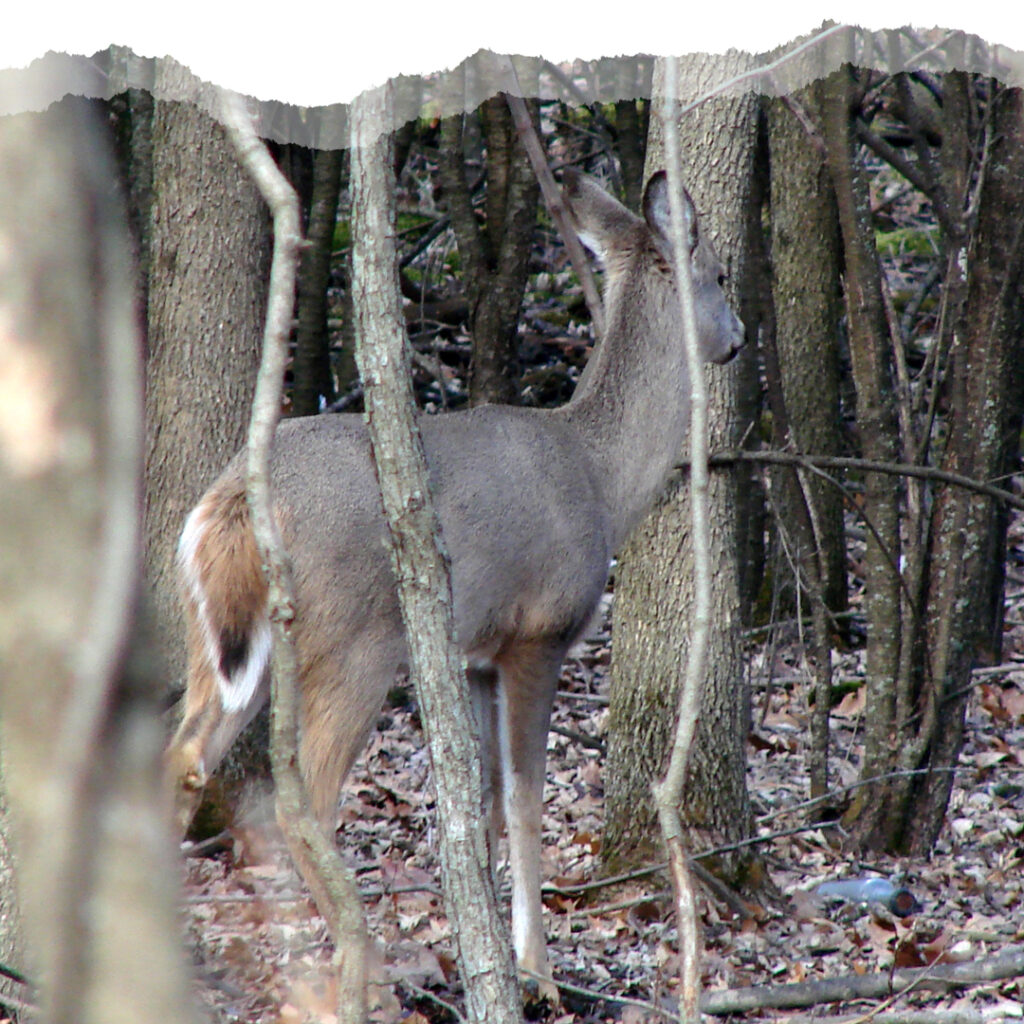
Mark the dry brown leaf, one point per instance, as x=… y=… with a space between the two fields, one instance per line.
x=852 y=705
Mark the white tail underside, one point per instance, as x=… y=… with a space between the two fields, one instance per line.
x=239 y=688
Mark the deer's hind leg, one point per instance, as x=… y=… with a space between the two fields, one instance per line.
x=484 y=691
x=206 y=733
x=342 y=696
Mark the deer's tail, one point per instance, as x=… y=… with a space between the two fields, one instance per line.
x=225 y=594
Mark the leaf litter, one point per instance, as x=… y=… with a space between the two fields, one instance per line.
x=262 y=953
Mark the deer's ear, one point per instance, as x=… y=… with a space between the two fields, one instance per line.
x=658 y=214
x=598 y=218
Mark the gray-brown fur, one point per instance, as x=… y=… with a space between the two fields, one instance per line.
x=533 y=504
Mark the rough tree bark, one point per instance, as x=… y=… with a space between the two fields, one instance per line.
x=12 y=946
x=803 y=391
x=437 y=665
x=933 y=576
x=807 y=299
x=871 y=354
x=210 y=260
x=81 y=737
x=653 y=598
x=133 y=110
x=968 y=532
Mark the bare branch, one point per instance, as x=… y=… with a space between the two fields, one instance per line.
x=421 y=571
x=668 y=791
x=865 y=465
x=332 y=884
x=553 y=199
x=892 y=156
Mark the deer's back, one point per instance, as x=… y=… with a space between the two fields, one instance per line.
x=521 y=512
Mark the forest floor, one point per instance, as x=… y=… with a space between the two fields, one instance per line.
x=261 y=952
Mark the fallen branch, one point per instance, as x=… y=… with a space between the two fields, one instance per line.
x=942 y=978
x=962 y=1016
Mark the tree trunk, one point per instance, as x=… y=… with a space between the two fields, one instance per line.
x=312 y=380
x=652 y=600
x=968 y=532
x=12 y=944
x=630 y=142
x=210 y=262
x=805 y=282
x=933 y=564
x=496 y=259
x=871 y=355
x=802 y=365
x=81 y=737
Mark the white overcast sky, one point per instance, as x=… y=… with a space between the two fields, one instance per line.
x=327 y=53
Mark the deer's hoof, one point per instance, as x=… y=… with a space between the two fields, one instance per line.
x=540 y=996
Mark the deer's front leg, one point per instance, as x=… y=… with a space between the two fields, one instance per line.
x=527 y=686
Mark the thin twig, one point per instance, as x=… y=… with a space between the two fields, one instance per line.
x=831 y=795
x=580 y=738
x=668 y=790
x=603 y=883
x=246 y=897
x=613 y=908
x=14 y=974
x=765 y=70
x=728 y=458
x=31 y=1010
x=592 y=698
x=894 y=158
x=811 y=129
x=741 y=844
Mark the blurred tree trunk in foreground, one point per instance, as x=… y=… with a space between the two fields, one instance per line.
x=81 y=736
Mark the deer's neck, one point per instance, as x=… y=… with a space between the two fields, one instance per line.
x=631 y=406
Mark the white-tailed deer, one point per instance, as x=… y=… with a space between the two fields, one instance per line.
x=533 y=504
